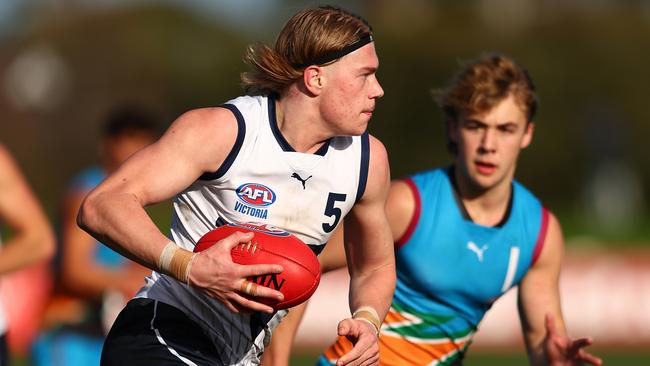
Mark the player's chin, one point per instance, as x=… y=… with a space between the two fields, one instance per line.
x=359 y=129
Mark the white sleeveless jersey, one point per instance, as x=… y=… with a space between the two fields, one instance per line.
x=263 y=180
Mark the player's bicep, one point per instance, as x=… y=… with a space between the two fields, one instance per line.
x=539 y=289
x=197 y=142
x=400 y=208
x=333 y=256
x=367 y=233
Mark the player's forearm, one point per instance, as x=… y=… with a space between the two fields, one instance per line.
x=535 y=350
x=374 y=289
x=27 y=248
x=119 y=221
x=92 y=280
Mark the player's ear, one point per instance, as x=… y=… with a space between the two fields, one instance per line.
x=528 y=135
x=312 y=77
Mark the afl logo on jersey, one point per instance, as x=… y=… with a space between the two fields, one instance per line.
x=256 y=194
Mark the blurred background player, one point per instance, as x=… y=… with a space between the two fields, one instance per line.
x=32 y=240
x=310 y=99
x=466 y=234
x=93 y=281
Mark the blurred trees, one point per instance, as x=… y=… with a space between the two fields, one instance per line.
x=64 y=69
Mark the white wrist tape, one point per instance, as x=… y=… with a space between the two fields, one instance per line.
x=176 y=261
x=166 y=256
x=368 y=314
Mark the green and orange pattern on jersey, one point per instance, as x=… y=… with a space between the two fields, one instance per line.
x=410 y=338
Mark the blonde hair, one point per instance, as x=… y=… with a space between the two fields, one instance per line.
x=308 y=36
x=482 y=84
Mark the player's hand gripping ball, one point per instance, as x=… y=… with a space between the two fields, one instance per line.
x=270 y=245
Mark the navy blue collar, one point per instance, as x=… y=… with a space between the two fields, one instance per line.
x=284 y=144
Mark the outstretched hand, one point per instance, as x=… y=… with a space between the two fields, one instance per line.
x=215 y=273
x=364 y=338
x=562 y=351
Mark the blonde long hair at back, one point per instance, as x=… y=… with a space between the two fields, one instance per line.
x=307 y=36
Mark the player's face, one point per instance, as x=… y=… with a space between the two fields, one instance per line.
x=118 y=149
x=489 y=144
x=351 y=90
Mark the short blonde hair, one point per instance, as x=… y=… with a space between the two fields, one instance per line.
x=308 y=36
x=482 y=84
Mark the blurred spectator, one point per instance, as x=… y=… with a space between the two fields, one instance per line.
x=32 y=240
x=93 y=281
x=612 y=191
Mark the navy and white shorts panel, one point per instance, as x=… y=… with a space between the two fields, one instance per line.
x=149 y=332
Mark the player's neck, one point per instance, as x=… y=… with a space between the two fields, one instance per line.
x=299 y=123
x=484 y=206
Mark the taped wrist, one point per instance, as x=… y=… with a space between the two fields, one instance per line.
x=176 y=262
x=369 y=315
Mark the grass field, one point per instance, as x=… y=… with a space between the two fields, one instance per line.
x=634 y=358
x=610 y=358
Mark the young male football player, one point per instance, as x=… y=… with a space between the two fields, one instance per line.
x=310 y=98
x=467 y=233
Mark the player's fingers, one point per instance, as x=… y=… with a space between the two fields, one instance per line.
x=231 y=306
x=590 y=359
x=550 y=324
x=252 y=270
x=360 y=355
x=372 y=361
x=369 y=357
x=343 y=328
x=365 y=344
x=254 y=290
x=577 y=344
x=235 y=239
x=250 y=304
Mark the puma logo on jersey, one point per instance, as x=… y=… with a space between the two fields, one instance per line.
x=303 y=181
x=478 y=251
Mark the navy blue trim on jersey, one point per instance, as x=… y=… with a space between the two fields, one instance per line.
x=284 y=144
x=230 y=159
x=365 y=161
x=316 y=248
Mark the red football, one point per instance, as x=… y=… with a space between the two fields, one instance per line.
x=271 y=245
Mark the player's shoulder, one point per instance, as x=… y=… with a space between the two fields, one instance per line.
x=228 y=117
x=9 y=165
x=426 y=178
x=378 y=162
x=525 y=195
x=377 y=149
x=248 y=101
x=5 y=155
x=205 y=125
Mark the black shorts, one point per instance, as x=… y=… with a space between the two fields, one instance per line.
x=4 y=350
x=149 y=332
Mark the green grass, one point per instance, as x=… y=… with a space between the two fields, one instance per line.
x=618 y=358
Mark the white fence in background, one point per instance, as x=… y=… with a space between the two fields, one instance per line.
x=605 y=294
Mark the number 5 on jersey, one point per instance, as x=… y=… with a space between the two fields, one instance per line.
x=332 y=210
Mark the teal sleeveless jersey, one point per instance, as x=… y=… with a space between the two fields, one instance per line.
x=449 y=272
